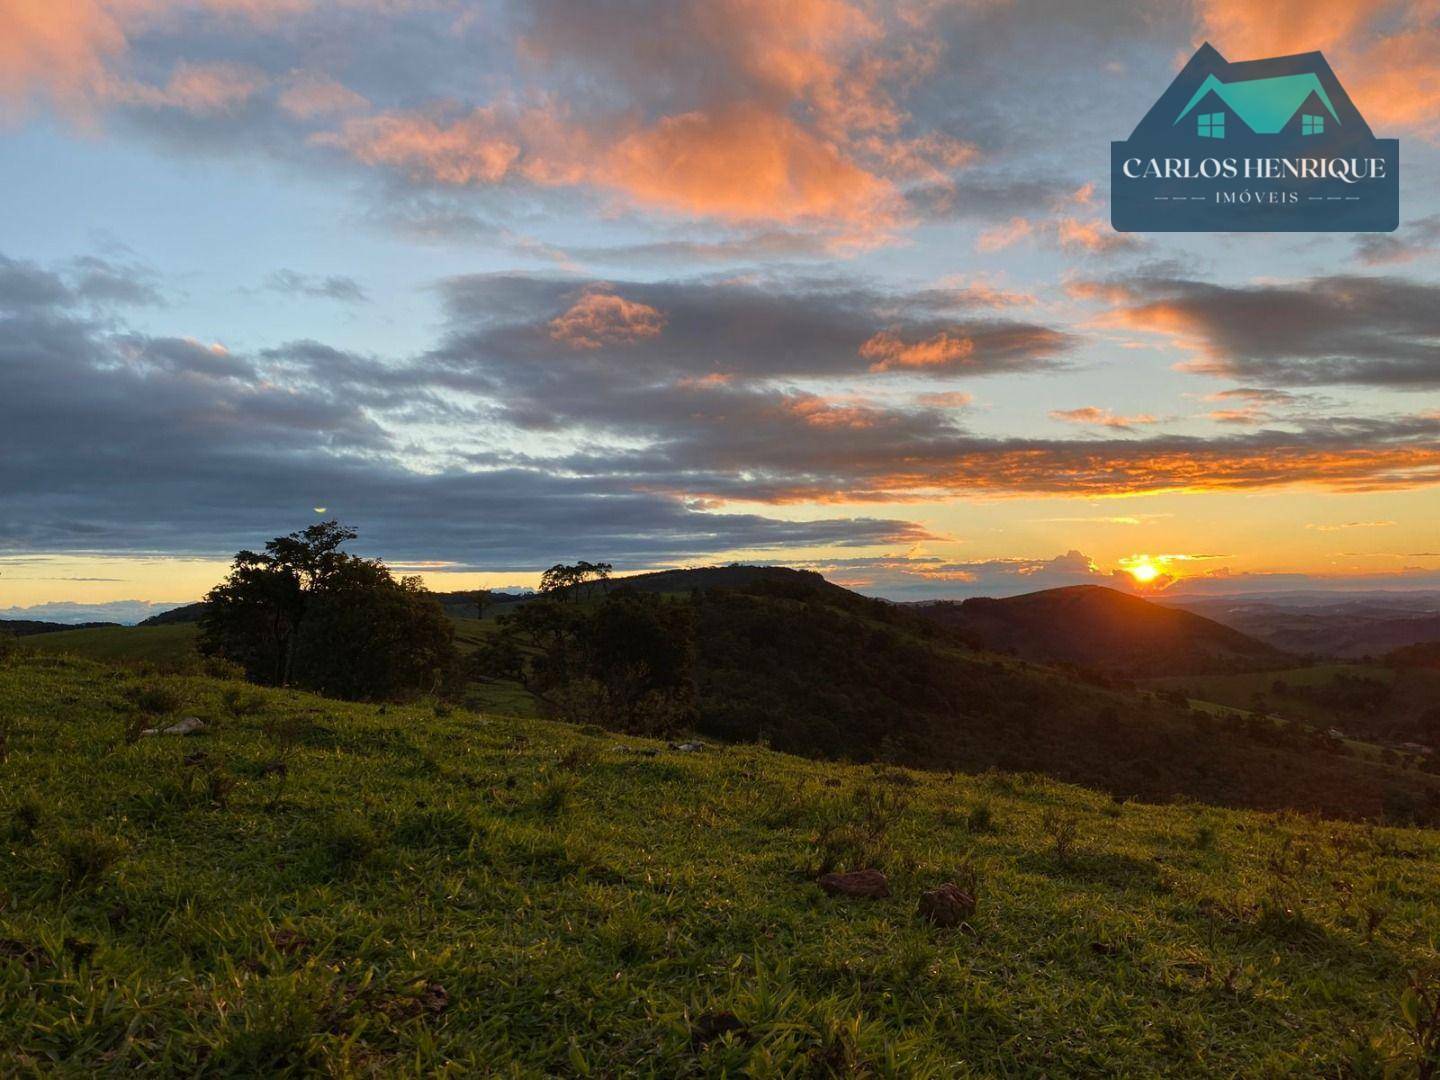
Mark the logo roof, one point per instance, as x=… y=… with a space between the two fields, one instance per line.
x=1265 y=104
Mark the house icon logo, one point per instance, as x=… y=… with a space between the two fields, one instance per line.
x=1260 y=146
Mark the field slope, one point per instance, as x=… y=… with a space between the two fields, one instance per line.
x=420 y=890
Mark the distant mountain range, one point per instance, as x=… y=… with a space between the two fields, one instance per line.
x=27 y=627
x=1321 y=624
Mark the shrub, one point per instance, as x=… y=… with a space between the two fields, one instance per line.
x=979 y=819
x=155 y=698
x=240 y=701
x=854 y=836
x=433 y=828
x=553 y=792
x=348 y=839
x=24 y=819
x=86 y=855
x=1420 y=1016
x=1063 y=829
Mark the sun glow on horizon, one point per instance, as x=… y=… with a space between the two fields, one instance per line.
x=1143 y=570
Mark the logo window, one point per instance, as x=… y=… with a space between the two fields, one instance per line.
x=1312 y=125
x=1212 y=125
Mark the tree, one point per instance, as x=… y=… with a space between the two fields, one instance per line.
x=630 y=658
x=307 y=613
x=563 y=578
x=483 y=598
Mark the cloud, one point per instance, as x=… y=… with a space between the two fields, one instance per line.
x=905 y=577
x=760 y=117
x=1384 y=51
x=598 y=319
x=339 y=287
x=887 y=350
x=1344 y=525
x=206 y=450
x=1094 y=415
x=311 y=96
x=195 y=88
x=1415 y=240
x=504 y=446
x=519 y=330
x=1341 y=329
x=1000 y=237
x=127 y=612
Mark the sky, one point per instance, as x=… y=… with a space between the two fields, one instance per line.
x=827 y=283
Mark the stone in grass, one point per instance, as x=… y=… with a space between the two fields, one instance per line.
x=190 y=725
x=870 y=884
x=687 y=747
x=948 y=905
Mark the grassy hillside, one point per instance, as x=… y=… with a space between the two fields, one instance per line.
x=786 y=658
x=1101 y=629
x=417 y=891
x=824 y=672
x=1380 y=703
x=166 y=645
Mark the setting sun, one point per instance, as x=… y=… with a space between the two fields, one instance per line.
x=1144 y=571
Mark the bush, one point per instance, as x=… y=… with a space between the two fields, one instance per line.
x=86 y=855
x=348 y=840
x=239 y=701
x=1062 y=829
x=980 y=818
x=155 y=699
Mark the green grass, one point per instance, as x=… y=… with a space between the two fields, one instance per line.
x=174 y=644
x=429 y=890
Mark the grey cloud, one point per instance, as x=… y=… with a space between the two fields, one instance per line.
x=1344 y=329
x=761 y=328
x=331 y=287
x=1414 y=240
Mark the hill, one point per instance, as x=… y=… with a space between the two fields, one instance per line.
x=30 y=627
x=188 y=613
x=1102 y=629
x=1424 y=654
x=810 y=668
x=332 y=888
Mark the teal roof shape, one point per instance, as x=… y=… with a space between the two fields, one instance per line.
x=1265 y=104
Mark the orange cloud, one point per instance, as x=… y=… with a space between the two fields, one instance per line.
x=195 y=88
x=56 y=49
x=820 y=412
x=1092 y=414
x=309 y=96
x=741 y=164
x=1094 y=236
x=1003 y=236
x=887 y=351
x=1385 y=52
x=744 y=163
x=482 y=147
x=599 y=319
x=947 y=399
